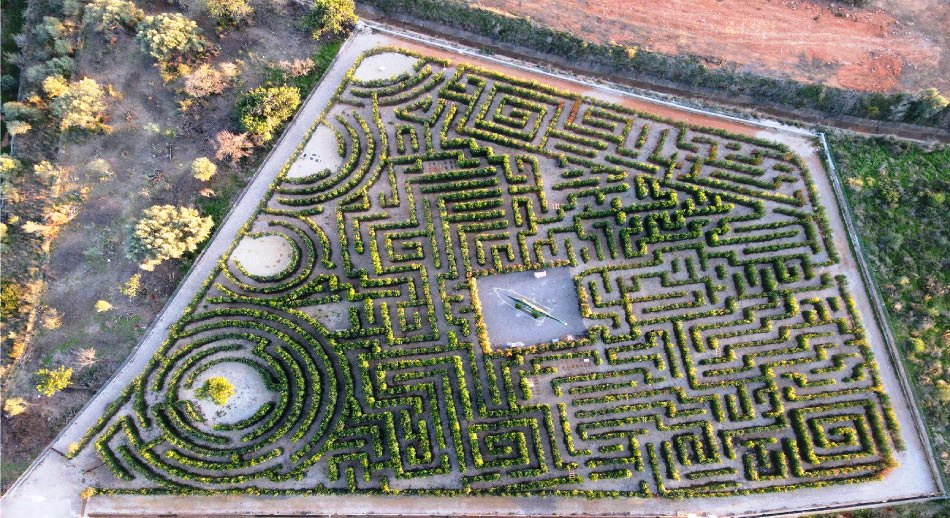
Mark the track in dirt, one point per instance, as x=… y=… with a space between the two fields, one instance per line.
x=900 y=48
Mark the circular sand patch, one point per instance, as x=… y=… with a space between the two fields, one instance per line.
x=320 y=153
x=264 y=256
x=384 y=66
x=250 y=393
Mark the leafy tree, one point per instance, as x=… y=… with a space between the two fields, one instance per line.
x=79 y=104
x=110 y=15
x=264 y=109
x=10 y=296
x=203 y=169
x=52 y=381
x=218 y=389
x=19 y=127
x=168 y=232
x=15 y=406
x=334 y=18
x=102 y=306
x=171 y=37
x=229 y=13
x=9 y=165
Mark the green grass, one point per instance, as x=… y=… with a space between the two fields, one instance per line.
x=900 y=196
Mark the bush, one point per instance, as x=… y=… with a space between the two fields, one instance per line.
x=218 y=389
x=15 y=406
x=168 y=232
x=229 y=13
x=207 y=80
x=53 y=381
x=203 y=169
x=334 y=18
x=263 y=110
x=232 y=146
x=170 y=37
x=110 y=15
x=79 y=104
x=102 y=306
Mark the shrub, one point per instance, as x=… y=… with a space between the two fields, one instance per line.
x=79 y=104
x=110 y=15
x=53 y=381
x=218 y=389
x=229 y=13
x=170 y=37
x=207 y=80
x=131 y=287
x=264 y=109
x=102 y=306
x=334 y=18
x=203 y=169
x=15 y=406
x=233 y=146
x=168 y=232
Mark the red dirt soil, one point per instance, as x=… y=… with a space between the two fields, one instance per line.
x=893 y=45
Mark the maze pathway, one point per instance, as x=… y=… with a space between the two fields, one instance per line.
x=723 y=352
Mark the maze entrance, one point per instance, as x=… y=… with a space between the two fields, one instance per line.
x=716 y=347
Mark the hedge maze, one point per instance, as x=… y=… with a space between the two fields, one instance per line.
x=723 y=353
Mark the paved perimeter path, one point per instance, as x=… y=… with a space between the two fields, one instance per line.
x=50 y=488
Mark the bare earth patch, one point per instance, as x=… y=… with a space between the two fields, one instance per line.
x=264 y=256
x=891 y=46
x=384 y=66
x=319 y=155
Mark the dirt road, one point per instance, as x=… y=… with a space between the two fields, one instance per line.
x=888 y=46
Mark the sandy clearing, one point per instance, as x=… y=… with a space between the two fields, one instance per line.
x=320 y=153
x=891 y=46
x=384 y=66
x=250 y=393
x=265 y=255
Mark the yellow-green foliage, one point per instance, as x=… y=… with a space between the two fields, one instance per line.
x=203 y=169
x=168 y=232
x=52 y=381
x=79 y=104
x=218 y=389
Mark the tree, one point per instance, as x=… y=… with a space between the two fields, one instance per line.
x=102 y=306
x=334 y=18
x=264 y=109
x=233 y=146
x=80 y=104
x=218 y=389
x=52 y=381
x=15 y=406
x=168 y=232
x=229 y=13
x=171 y=37
x=110 y=15
x=203 y=169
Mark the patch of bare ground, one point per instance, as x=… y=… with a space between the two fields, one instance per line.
x=148 y=152
x=888 y=46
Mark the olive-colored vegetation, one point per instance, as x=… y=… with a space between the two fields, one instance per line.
x=900 y=196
